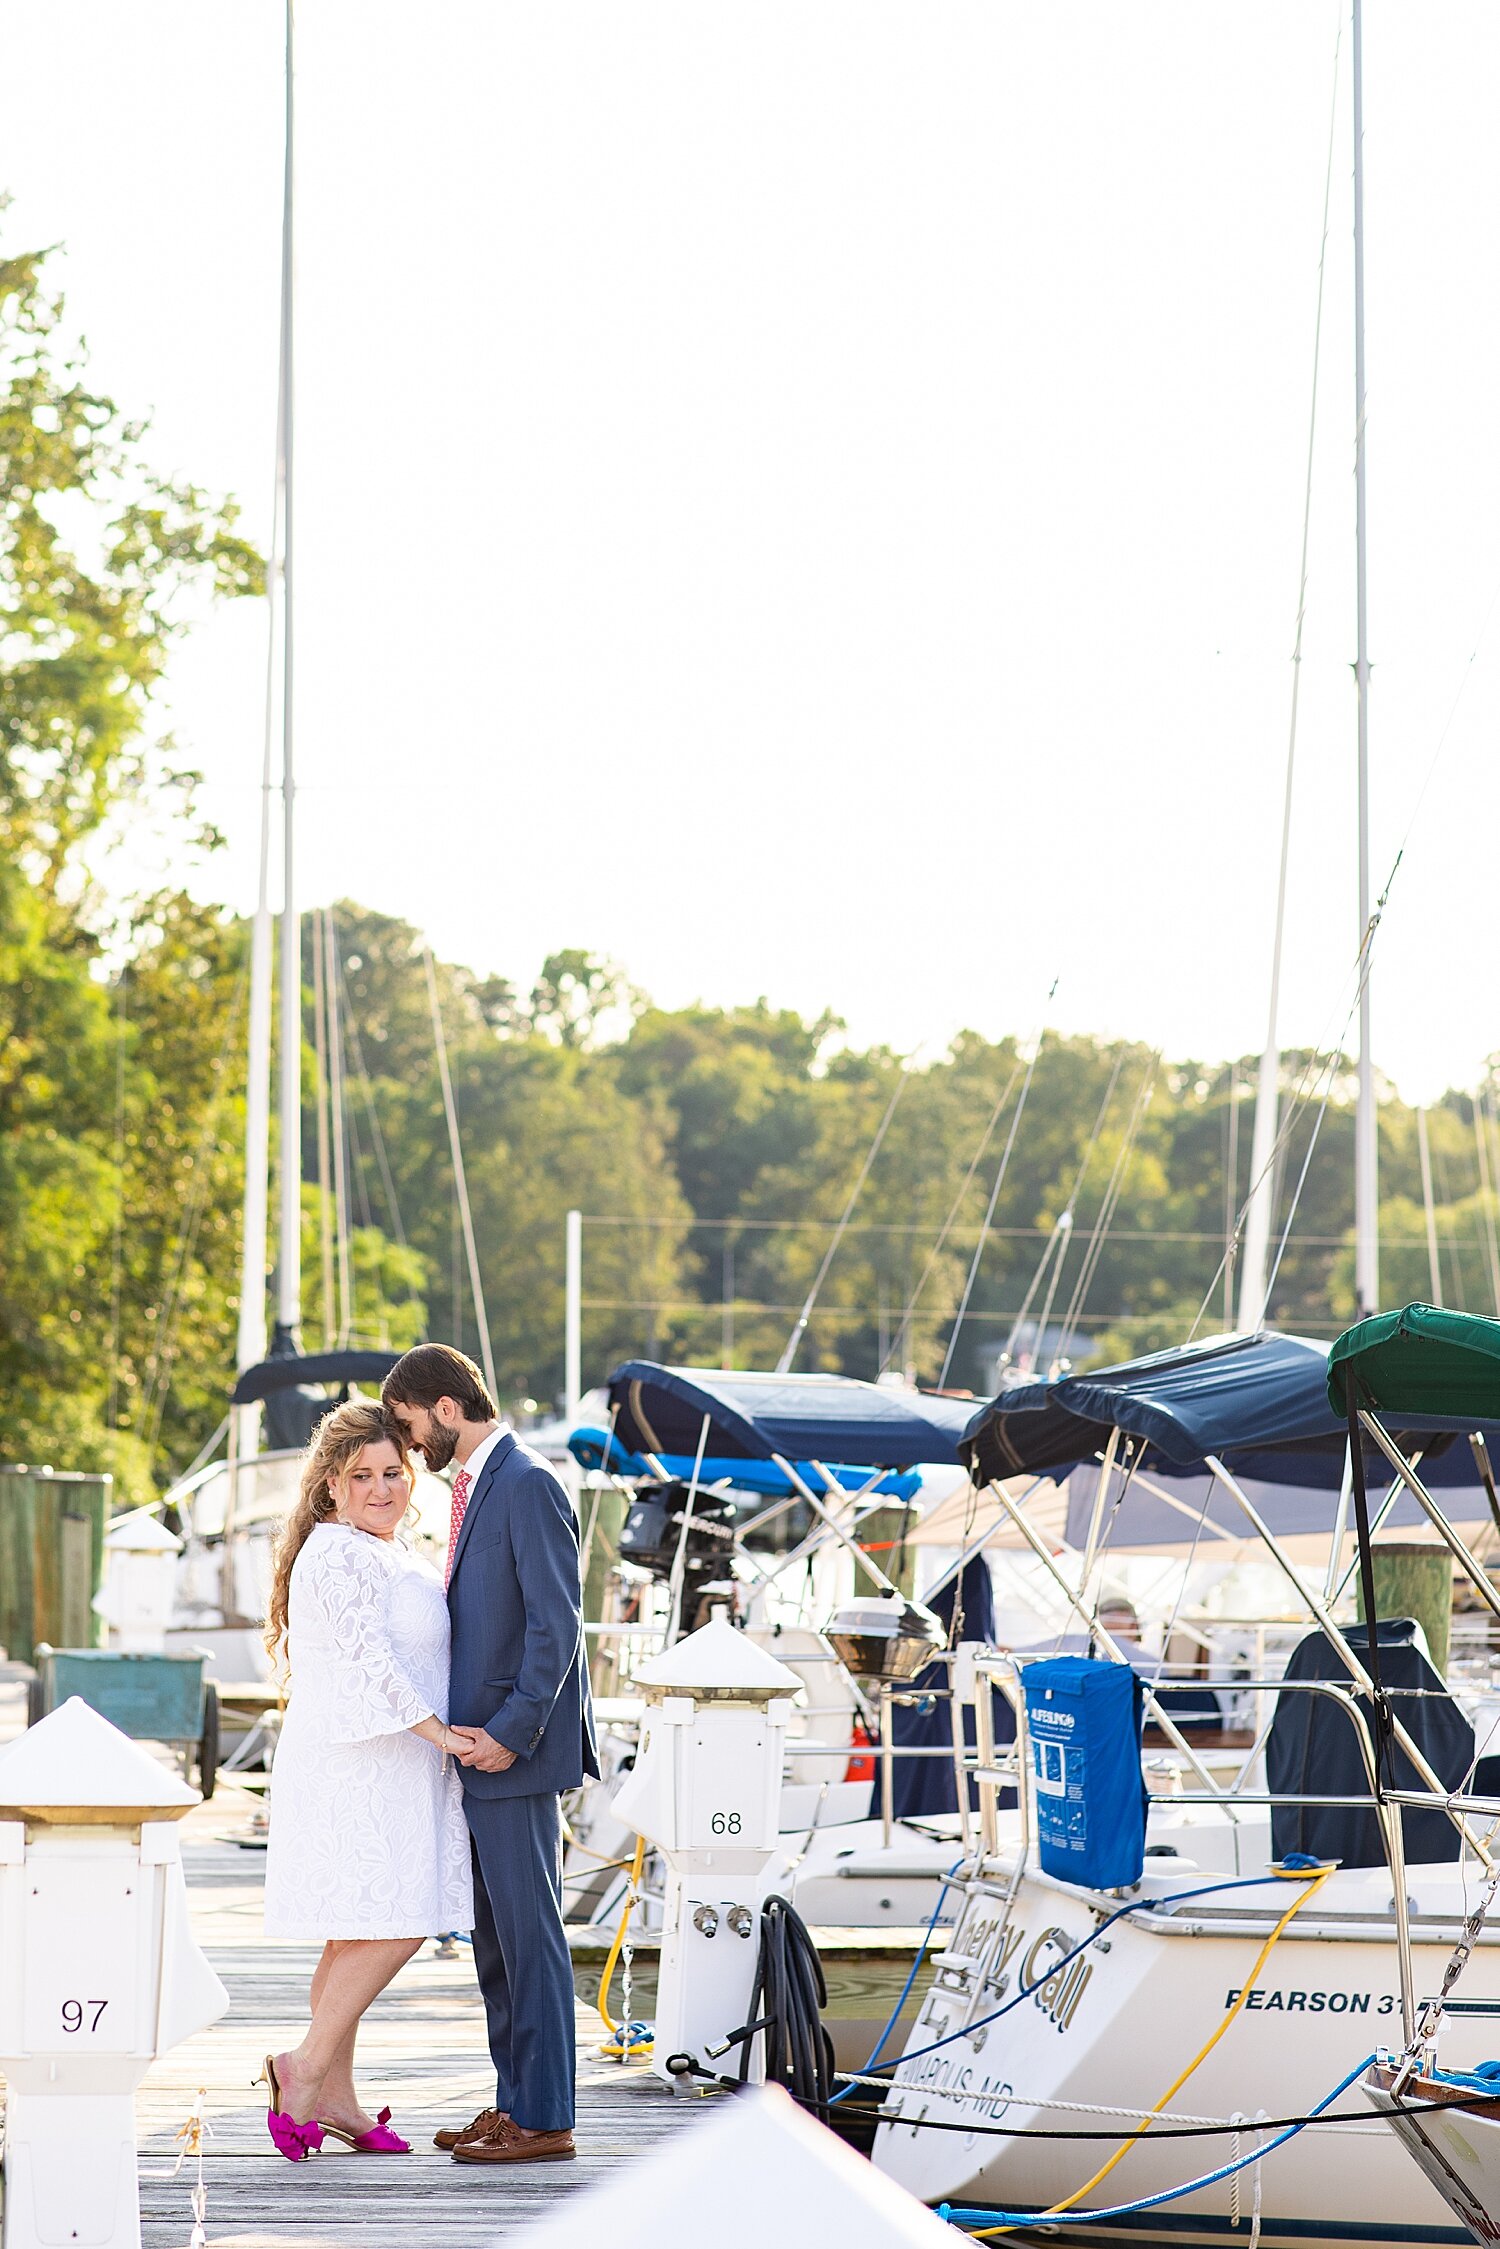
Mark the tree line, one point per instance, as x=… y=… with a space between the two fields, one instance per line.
x=712 y=1149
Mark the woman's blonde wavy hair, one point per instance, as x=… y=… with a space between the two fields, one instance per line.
x=337 y=1444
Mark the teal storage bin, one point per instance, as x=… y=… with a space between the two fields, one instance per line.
x=149 y=1697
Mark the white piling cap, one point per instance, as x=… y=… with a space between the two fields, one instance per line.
x=141 y=1532
x=716 y=1658
x=755 y=2170
x=74 y=1760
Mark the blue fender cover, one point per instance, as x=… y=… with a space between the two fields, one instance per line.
x=1085 y=1721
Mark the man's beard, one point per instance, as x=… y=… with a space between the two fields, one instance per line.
x=438 y=1447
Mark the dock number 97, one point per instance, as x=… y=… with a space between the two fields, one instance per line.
x=725 y=1823
x=76 y=2014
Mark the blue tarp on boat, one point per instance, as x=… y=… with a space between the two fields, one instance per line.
x=803 y=1417
x=1222 y=1396
x=1258 y=1402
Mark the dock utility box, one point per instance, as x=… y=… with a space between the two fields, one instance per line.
x=149 y=1697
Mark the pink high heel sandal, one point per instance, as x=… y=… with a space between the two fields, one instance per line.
x=377 y=2141
x=293 y=2140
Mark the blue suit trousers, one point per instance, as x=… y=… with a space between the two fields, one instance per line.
x=521 y=1955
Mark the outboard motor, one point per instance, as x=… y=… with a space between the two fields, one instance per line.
x=653 y=1533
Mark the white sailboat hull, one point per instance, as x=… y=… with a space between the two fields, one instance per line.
x=1113 y=2031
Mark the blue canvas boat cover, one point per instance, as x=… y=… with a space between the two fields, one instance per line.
x=1232 y=1395
x=1258 y=1402
x=803 y=1417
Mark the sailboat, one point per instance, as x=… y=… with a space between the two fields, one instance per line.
x=1080 y=2029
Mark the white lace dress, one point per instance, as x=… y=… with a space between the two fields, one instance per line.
x=368 y=1835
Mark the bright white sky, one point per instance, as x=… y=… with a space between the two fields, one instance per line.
x=804 y=496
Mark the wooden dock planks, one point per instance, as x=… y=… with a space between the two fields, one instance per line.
x=422 y=2050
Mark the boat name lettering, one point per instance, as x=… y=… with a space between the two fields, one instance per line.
x=1062 y=1991
x=963 y=2085
x=1057 y=1994
x=976 y=1934
x=1008 y=1944
x=1059 y=1937
x=1316 y=2002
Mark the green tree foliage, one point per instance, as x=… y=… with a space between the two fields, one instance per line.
x=96 y=556
x=167 y=1275
x=57 y=1185
x=119 y=1128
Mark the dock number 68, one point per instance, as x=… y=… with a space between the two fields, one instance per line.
x=724 y=1823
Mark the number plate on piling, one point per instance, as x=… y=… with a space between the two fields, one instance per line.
x=83 y=1956
x=726 y=1784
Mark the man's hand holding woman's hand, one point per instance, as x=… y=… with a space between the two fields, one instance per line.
x=481 y=1751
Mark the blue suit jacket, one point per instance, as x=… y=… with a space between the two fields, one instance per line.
x=519 y=1663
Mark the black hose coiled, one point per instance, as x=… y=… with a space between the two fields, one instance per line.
x=786 y=2008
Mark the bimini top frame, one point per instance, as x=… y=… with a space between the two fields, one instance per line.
x=1265 y=1401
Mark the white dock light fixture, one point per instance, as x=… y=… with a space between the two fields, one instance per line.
x=99 y=1972
x=706 y=1790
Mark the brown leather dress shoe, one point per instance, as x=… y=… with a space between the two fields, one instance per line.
x=484 y=2122
x=507 y=2143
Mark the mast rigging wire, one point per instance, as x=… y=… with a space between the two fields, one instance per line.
x=1323 y=1061
x=1267 y=1097
x=164 y=1350
x=1486 y=1198
x=1107 y=1208
x=1010 y=1140
x=799 y=1326
x=117 y=1243
x=320 y=1058
x=1292 y=1118
x=1062 y=1225
x=897 y=1349
x=367 y=1091
x=460 y=1179
x=340 y=1132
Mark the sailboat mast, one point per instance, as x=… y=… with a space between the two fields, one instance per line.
x=250 y=1347
x=1257 y=1254
x=1259 y=1209
x=1366 y=1236
x=289 y=1258
x=250 y=1342
x=1424 y=1153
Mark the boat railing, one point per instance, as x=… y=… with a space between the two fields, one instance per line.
x=1006 y=1671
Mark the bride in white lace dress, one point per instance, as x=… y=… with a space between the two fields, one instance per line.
x=369 y=1848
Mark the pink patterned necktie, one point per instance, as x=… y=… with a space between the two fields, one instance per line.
x=461 y=1483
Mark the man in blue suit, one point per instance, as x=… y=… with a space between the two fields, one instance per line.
x=519 y=1695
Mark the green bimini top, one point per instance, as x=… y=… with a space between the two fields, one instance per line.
x=1430 y=1366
